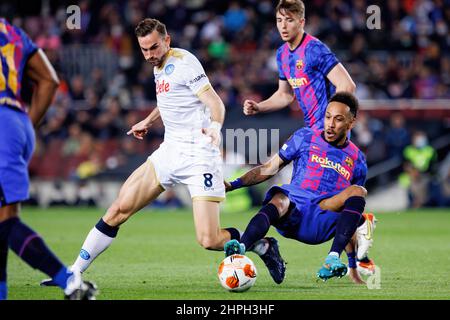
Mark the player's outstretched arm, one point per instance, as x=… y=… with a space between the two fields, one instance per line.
x=42 y=73
x=211 y=99
x=258 y=174
x=140 y=129
x=341 y=79
x=279 y=100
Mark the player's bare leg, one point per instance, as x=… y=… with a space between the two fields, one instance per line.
x=9 y=211
x=207 y=224
x=336 y=203
x=141 y=188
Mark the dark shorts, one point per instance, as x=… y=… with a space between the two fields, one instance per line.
x=16 y=148
x=306 y=221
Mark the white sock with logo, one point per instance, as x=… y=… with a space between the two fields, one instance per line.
x=96 y=242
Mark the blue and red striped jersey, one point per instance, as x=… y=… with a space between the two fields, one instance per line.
x=15 y=50
x=306 y=69
x=320 y=167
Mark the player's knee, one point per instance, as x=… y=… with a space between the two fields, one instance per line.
x=9 y=211
x=357 y=191
x=281 y=202
x=207 y=242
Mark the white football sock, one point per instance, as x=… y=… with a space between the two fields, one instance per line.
x=333 y=253
x=96 y=242
x=260 y=247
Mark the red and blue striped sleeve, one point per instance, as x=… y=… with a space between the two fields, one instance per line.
x=321 y=57
x=281 y=74
x=360 y=174
x=29 y=47
x=292 y=147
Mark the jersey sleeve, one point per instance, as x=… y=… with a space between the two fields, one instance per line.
x=321 y=57
x=291 y=148
x=360 y=176
x=194 y=75
x=29 y=47
x=281 y=74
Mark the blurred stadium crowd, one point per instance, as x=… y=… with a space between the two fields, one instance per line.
x=83 y=134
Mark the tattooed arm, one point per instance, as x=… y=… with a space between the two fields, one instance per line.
x=257 y=174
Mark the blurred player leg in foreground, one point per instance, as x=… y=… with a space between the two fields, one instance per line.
x=19 y=56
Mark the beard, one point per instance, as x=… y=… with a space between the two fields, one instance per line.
x=155 y=62
x=158 y=62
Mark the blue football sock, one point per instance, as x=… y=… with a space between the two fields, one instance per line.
x=3 y=290
x=5 y=228
x=234 y=234
x=259 y=225
x=29 y=246
x=3 y=260
x=105 y=228
x=347 y=223
x=351 y=259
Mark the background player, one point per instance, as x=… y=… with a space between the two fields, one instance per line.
x=308 y=70
x=324 y=199
x=19 y=57
x=192 y=114
x=311 y=73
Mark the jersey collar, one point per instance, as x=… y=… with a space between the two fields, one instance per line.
x=300 y=43
x=168 y=54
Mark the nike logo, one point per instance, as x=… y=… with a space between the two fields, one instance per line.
x=368 y=236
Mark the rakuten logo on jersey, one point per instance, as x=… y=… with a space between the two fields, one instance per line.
x=162 y=86
x=327 y=163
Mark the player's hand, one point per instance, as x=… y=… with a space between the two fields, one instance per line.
x=139 y=130
x=250 y=107
x=227 y=186
x=213 y=132
x=355 y=277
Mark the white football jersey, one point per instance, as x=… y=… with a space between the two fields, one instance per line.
x=179 y=81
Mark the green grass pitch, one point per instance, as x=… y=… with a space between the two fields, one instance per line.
x=156 y=256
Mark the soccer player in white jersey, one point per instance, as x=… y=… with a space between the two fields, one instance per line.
x=192 y=114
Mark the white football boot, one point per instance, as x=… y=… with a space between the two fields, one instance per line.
x=364 y=236
x=77 y=289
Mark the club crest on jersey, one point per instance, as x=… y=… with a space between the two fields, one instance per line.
x=349 y=162
x=327 y=163
x=169 y=69
x=299 y=64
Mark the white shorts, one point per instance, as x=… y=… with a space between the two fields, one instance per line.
x=201 y=173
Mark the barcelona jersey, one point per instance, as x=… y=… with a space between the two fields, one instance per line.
x=15 y=50
x=321 y=170
x=306 y=69
x=16 y=130
x=319 y=167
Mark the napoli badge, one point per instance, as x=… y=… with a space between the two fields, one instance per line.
x=169 y=69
